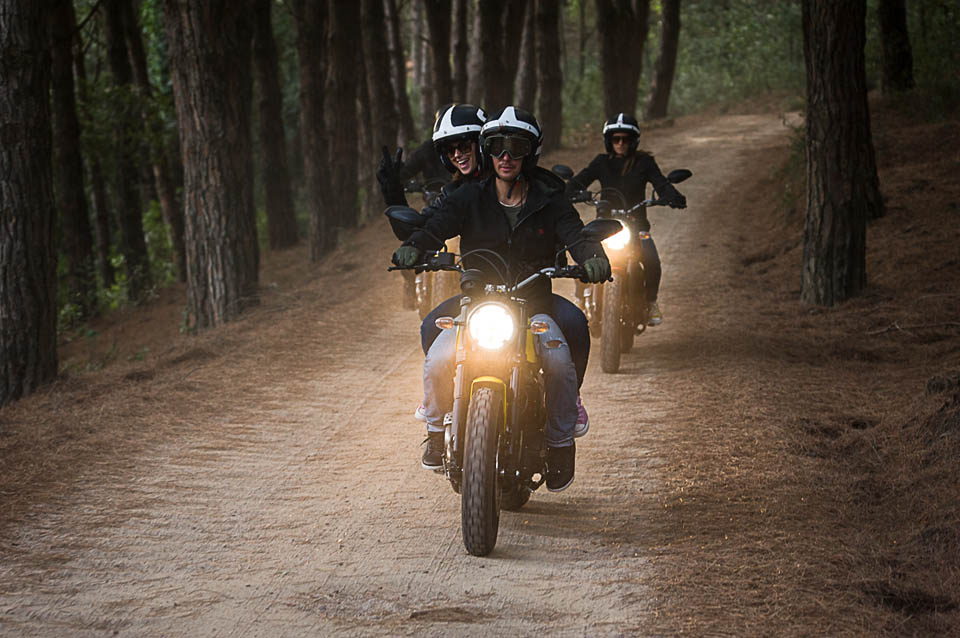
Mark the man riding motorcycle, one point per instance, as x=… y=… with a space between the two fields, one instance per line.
x=521 y=213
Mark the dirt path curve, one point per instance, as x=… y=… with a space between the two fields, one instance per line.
x=288 y=500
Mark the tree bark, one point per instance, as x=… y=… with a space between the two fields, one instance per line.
x=398 y=75
x=550 y=103
x=311 y=19
x=133 y=245
x=623 y=26
x=438 y=19
x=166 y=192
x=383 y=110
x=493 y=69
x=341 y=119
x=513 y=23
x=210 y=64
x=28 y=313
x=662 y=81
x=526 y=89
x=461 y=49
x=842 y=186
x=77 y=236
x=281 y=217
x=897 y=53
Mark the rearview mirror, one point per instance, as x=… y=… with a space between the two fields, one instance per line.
x=678 y=175
x=600 y=229
x=563 y=171
x=404 y=220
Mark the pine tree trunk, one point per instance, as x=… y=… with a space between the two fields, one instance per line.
x=897 y=53
x=842 y=186
x=341 y=120
x=662 y=81
x=438 y=19
x=398 y=75
x=623 y=27
x=513 y=21
x=133 y=245
x=311 y=17
x=281 y=217
x=77 y=235
x=496 y=90
x=210 y=68
x=461 y=49
x=160 y=173
x=526 y=89
x=550 y=104
x=28 y=313
x=383 y=111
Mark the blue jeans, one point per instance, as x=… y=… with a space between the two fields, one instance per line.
x=572 y=322
x=559 y=381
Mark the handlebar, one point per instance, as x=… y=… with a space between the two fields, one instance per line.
x=590 y=198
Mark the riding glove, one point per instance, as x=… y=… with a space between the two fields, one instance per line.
x=596 y=270
x=388 y=174
x=406 y=256
x=678 y=201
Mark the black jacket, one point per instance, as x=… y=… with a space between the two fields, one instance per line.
x=633 y=185
x=546 y=219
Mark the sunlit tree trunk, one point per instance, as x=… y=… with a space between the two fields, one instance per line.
x=210 y=66
x=76 y=236
x=28 y=314
x=662 y=81
x=622 y=26
x=281 y=217
x=311 y=19
x=897 y=53
x=550 y=103
x=842 y=186
x=127 y=126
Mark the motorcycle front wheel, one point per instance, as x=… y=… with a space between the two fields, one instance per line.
x=610 y=340
x=479 y=502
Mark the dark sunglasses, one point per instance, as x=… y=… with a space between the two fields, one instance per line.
x=621 y=139
x=464 y=146
x=515 y=147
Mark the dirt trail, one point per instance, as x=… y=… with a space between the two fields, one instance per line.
x=288 y=498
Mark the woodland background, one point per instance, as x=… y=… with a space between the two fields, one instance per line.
x=284 y=105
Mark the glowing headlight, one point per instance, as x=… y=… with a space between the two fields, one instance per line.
x=491 y=326
x=618 y=241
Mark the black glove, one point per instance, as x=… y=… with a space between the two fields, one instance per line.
x=388 y=174
x=406 y=256
x=596 y=270
x=677 y=201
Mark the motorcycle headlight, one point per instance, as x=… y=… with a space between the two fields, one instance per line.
x=618 y=241
x=491 y=326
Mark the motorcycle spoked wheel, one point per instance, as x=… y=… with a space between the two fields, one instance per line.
x=635 y=316
x=610 y=340
x=479 y=497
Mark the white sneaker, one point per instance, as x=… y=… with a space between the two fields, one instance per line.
x=654 y=316
x=420 y=414
x=583 y=421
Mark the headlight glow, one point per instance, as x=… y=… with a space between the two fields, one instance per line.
x=618 y=241
x=491 y=326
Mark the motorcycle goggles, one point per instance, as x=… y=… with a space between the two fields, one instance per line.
x=515 y=146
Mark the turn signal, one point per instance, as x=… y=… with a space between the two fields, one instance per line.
x=539 y=327
x=444 y=323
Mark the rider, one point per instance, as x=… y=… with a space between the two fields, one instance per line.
x=625 y=168
x=521 y=213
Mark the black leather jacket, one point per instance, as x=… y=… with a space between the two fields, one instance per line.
x=633 y=185
x=546 y=219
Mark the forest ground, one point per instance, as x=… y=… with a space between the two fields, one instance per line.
x=758 y=467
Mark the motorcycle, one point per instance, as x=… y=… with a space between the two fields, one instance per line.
x=494 y=439
x=429 y=288
x=618 y=311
